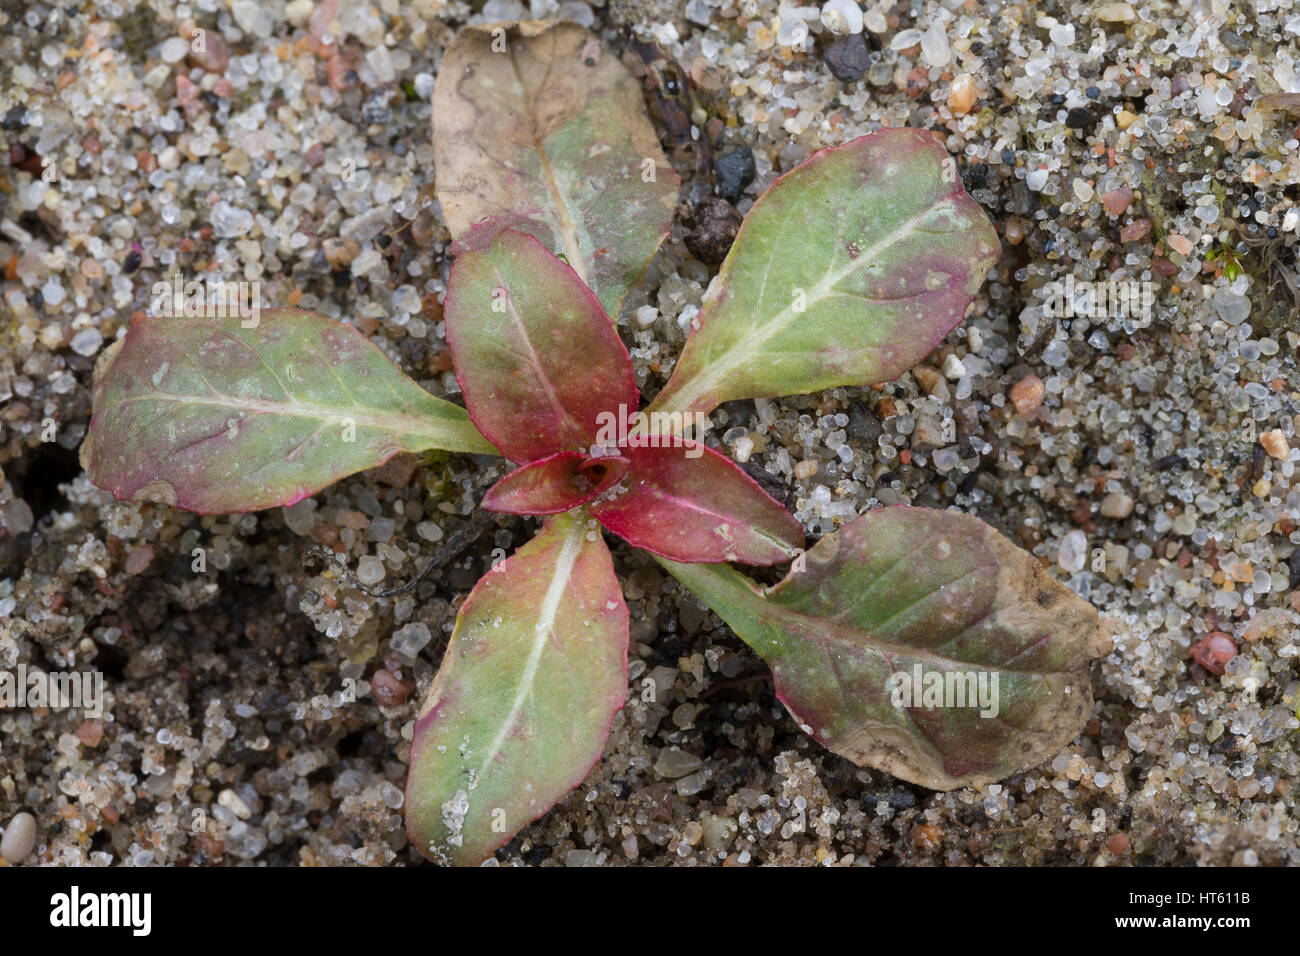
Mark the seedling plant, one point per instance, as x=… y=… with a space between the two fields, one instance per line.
x=847 y=271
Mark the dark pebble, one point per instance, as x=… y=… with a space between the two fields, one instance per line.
x=848 y=58
x=716 y=225
x=902 y=799
x=538 y=853
x=1093 y=93
x=1169 y=461
x=1233 y=41
x=1080 y=118
x=734 y=170
x=132 y=262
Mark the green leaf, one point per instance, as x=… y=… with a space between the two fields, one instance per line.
x=905 y=588
x=848 y=271
x=206 y=415
x=520 y=709
x=537 y=128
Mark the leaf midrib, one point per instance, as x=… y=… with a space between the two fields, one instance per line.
x=568 y=227
x=397 y=422
x=542 y=630
x=824 y=630
x=735 y=357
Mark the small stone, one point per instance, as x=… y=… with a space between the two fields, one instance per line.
x=409 y=639
x=1117 y=843
x=340 y=253
x=1027 y=396
x=370 y=570
x=234 y=803
x=1116 y=505
x=848 y=58
x=16 y=517
x=1214 y=651
x=1248 y=788
x=300 y=517
x=806 y=468
x=1114 y=12
x=1062 y=34
x=953 y=368
x=1124 y=119
x=229 y=221
x=674 y=763
x=1275 y=443
x=875 y=18
x=716 y=225
x=1135 y=230
x=90 y=733
x=927 y=378
x=1117 y=200
x=87 y=341
x=1072 y=552
x=215 y=55
x=19 y=838
x=961 y=95
x=298 y=11
x=734 y=170
x=842 y=16
x=173 y=50
x=139 y=559
x=244 y=841
x=934 y=45
x=1080 y=118
x=389 y=690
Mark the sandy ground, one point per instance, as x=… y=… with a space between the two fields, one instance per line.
x=1144 y=142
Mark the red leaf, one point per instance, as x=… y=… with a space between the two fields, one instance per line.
x=697 y=509
x=554 y=484
x=537 y=358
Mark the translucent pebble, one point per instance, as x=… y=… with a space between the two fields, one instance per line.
x=87 y=341
x=1072 y=552
x=230 y=221
x=697 y=11
x=1056 y=354
x=370 y=570
x=904 y=39
x=1062 y=34
x=409 y=639
x=945 y=460
x=173 y=50
x=52 y=292
x=842 y=16
x=934 y=45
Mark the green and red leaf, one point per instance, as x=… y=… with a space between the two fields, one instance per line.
x=528 y=689
x=849 y=270
x=902 y=588
x=700 y=508
x=540 y=364
x=555 y=484
x=536 y=128
x=206 y=415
